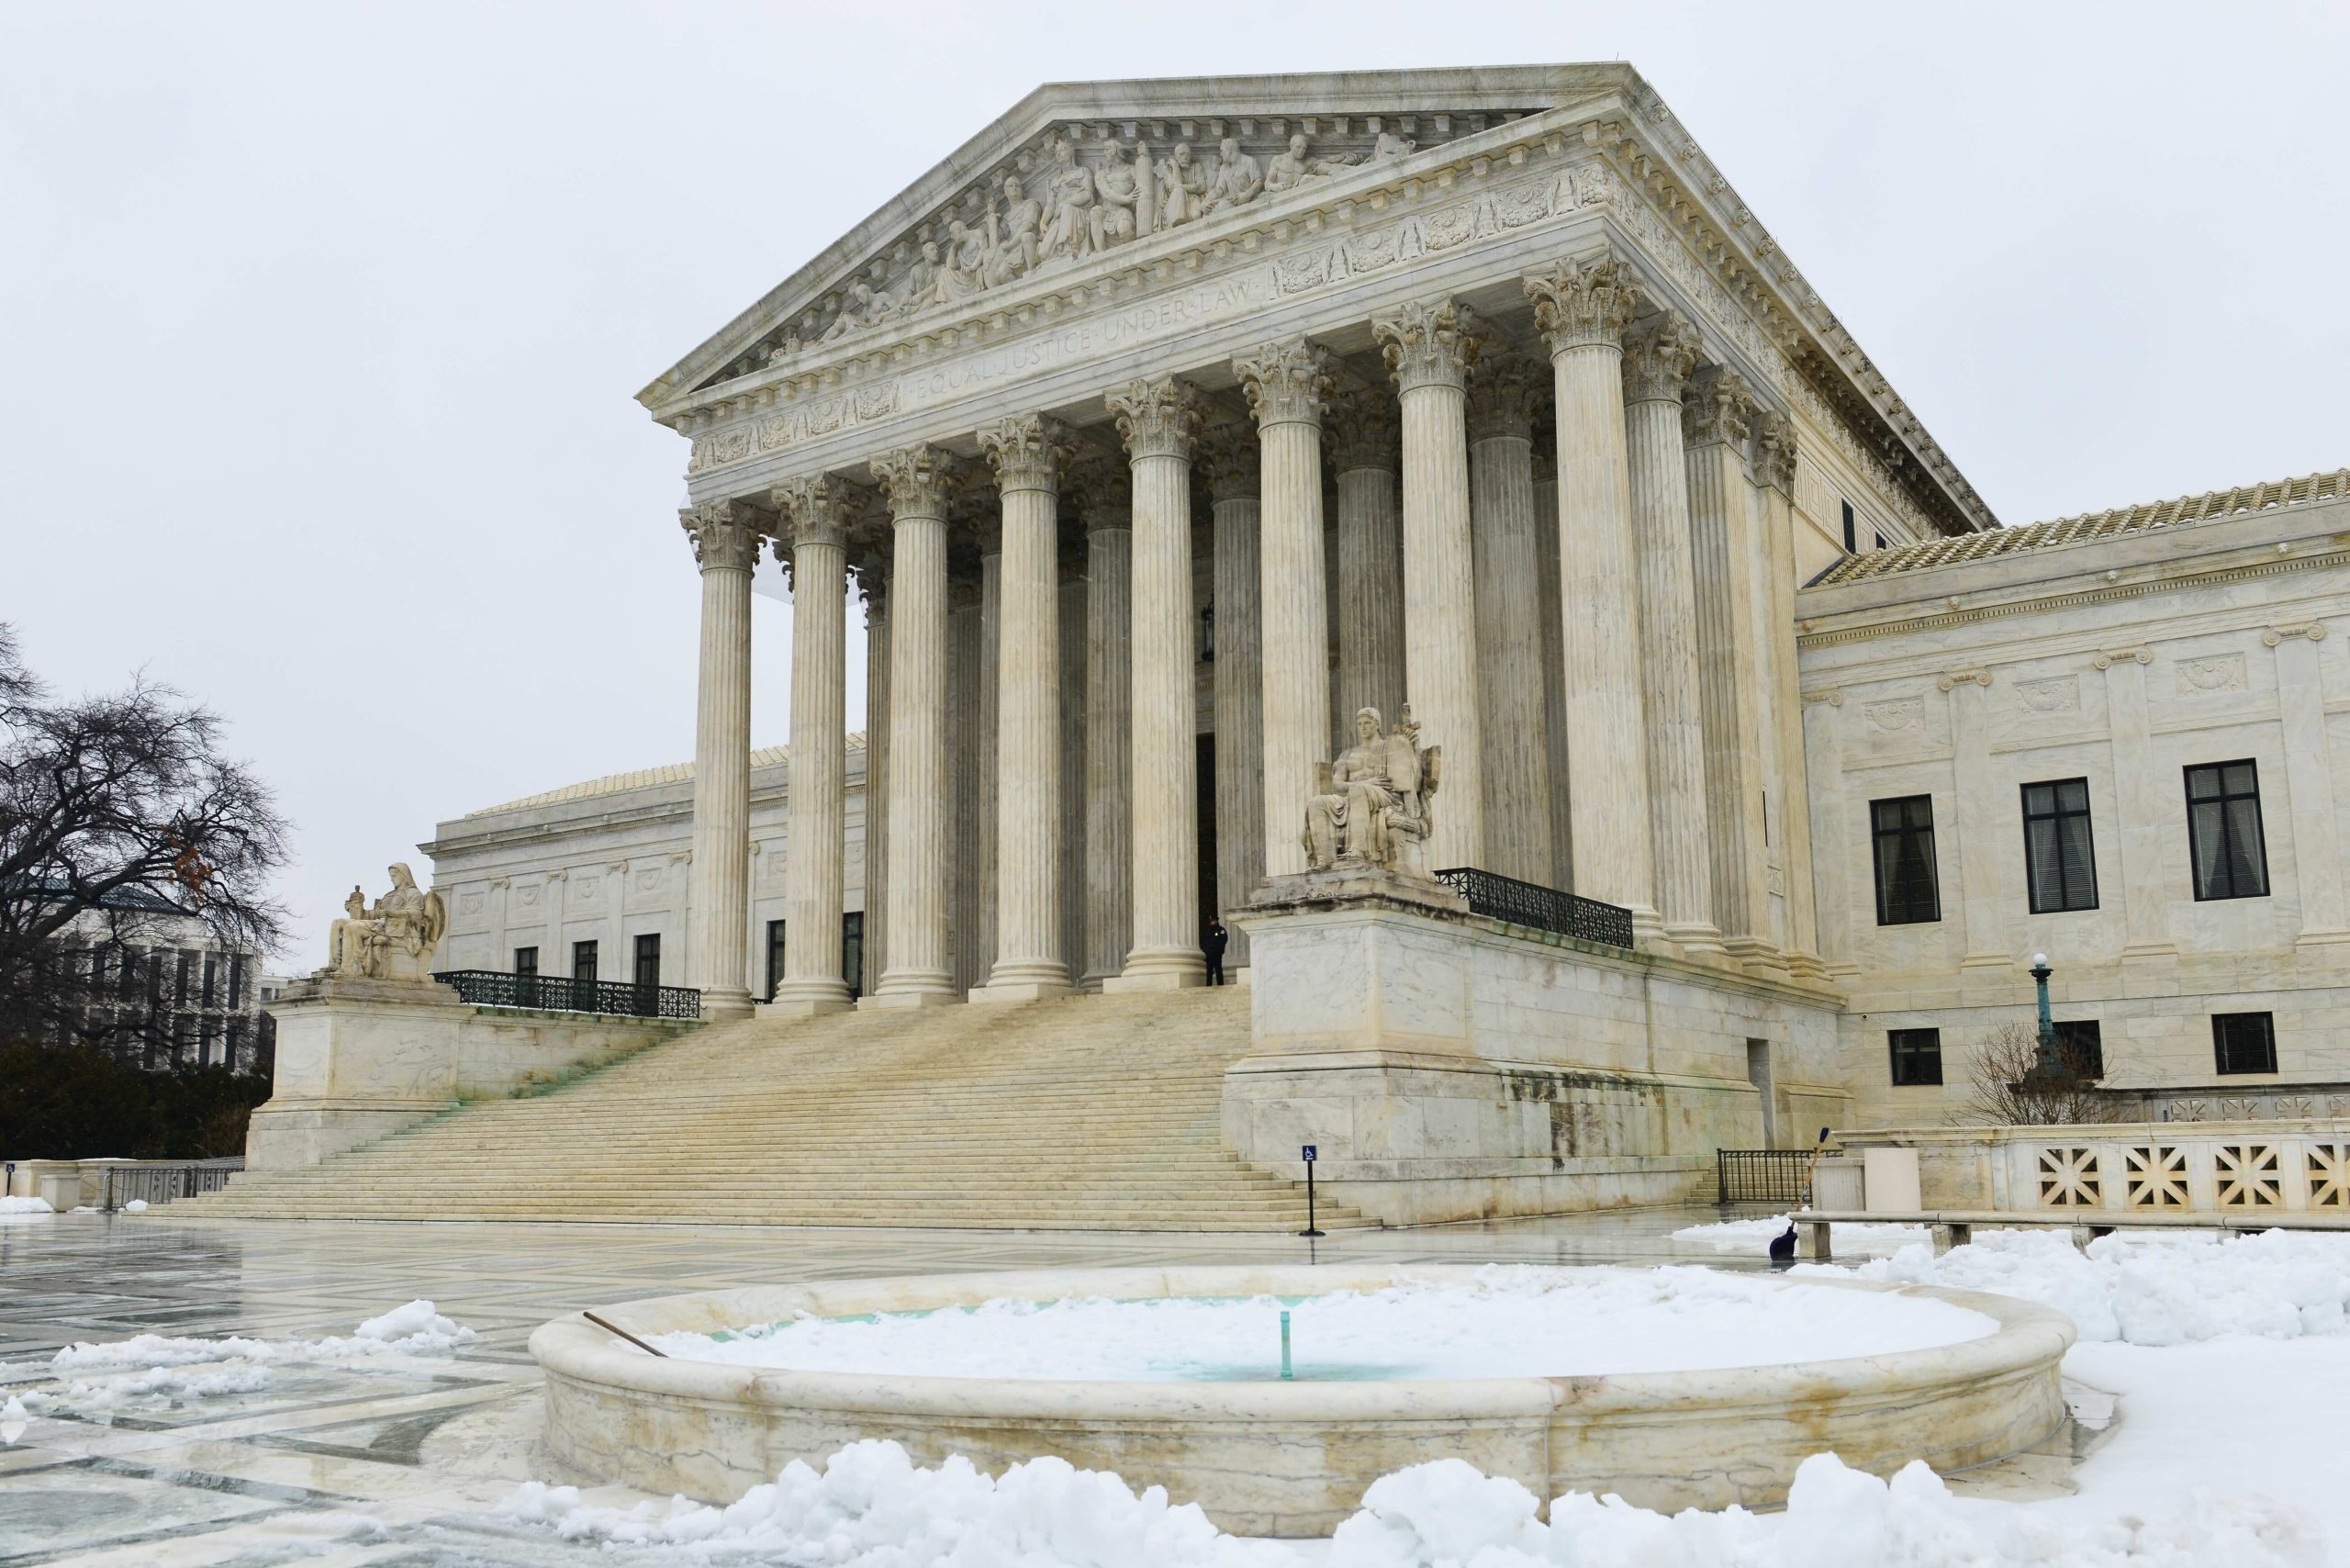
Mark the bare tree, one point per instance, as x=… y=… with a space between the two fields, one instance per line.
x=119 y=820
x=2008 y=1089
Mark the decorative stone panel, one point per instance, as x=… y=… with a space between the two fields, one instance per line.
x=2327 y=1169
x=2250 y=1175
x=2155 y=1177
x=2068 y=1179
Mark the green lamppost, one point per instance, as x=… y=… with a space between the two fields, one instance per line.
x=2045 y=1068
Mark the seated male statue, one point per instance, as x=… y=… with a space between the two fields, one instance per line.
x=392 y=941
x=1370 y=808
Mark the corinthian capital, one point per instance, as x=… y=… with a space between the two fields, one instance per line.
x=817 y=509
x=1429 y=342
x=1158 y=417
x=1774 y=453
x=1504 y=397
x=722 y=538
x=1365 y=428
x=1287 y=383
x=1103 y=484
x=1026 y=450
x=1581 y=303
x=1718 y=407
x=919 y=481
x=1229 y=458
x=1659 y=354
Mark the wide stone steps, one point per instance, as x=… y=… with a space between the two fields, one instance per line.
x=1090 y=1112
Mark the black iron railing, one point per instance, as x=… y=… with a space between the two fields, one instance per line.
x=555 y=993
x=161 y=1183
x=1544 y=909
x=1762 y=1176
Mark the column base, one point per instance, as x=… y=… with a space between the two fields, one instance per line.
x=997 y=990
x=1158 y=970
x=808 y=999
x=1696 y=939
x=1648 y=926
x=725 y=1005
x=1806 y=966
x=888 y=1001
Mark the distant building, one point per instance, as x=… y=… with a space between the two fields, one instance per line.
x=166 y=994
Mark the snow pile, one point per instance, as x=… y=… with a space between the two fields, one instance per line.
x=415 y=1330
x=2157 y=1289
x=1447 y=1515
x=14 y=1417
x=136 y=1206
x=872 y=1507
x=23 y=1211
x=1753 y=1236
x=1511 y=1322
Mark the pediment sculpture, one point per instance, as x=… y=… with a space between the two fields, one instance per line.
x=1370 y=809
x=392 y=939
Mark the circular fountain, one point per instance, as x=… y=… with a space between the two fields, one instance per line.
x=1636 y=1381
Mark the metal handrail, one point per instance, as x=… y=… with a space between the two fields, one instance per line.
x=560 y=993
x=161 y=1182
x=1544 y=909
x=1762 y=1176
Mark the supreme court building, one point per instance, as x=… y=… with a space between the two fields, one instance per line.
x=1165 y=427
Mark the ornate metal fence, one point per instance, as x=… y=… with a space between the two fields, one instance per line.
x=1762 y=1176
x=162 y=1184
x=1544 y=909
x=556 y=993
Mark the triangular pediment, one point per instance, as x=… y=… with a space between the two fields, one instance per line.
x=1101 y=166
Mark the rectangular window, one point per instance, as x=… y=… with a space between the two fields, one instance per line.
x=1851 y=532
x=853 y=951
x=236 y=1045
x=2080 y=1046
x=179 y=989
x=648 y=959
x=774 y=957
x=526 y=960
x=1903 y=834
x=2244 y=1042
x=203 y=1043
x=1917 y=1057
x=2060 y=864
x=583 y=961
x=237 y=984
x=211 y=966
x=1880 y=541
x=2223 y=831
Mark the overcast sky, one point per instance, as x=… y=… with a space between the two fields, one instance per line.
x=320 y=323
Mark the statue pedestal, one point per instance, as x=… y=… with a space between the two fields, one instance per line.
x=356 y=1058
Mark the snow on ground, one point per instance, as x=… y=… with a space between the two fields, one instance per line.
x=1753 y=1236
x=23 y=1211
x=1513 y=1322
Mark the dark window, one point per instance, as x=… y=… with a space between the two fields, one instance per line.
x=583 y=961
x=1851 y=532
x=774 y=957
x=648 y=959
x=2244 y=1042
x=2223 y=831
x=179 y=989
x=210 y=965
x=236 y=984
x=1903 y=831
x=1880 y=541
x=2060 y=866
x=204 y=1043
x=2080 y=1046
x=853 y=951
x=236 y=1047
x=1916 y=1055
x=526 y=960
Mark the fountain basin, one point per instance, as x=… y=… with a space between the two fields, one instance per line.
x=1289 y=1459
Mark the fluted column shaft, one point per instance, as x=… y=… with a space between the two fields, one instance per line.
x=1109 y=708
x=814 y=880
x=986 y=740
x=1786 y=768
x=1371 y=559
x=878 y=816
x=1231 y=459
x=1072 y=753
x=1158 y=420
x=1028 y=962
x=1659 y=357
x=965 y=669
x=1428 y=347
x=1546 y=568
x=1510 y=625
x=1582 y=310
x=918 y=972
x=1288 y=385
x=1727 y=554
x=725 y=546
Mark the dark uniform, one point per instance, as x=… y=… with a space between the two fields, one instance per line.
x=1212 y=946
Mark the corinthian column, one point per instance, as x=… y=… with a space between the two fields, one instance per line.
x=916 y=482
x=725 y=545
x=817 y=510
x=1582 y=309
x=1159 y=419
x=872 y=574
x=1659 y=354
x=1502 y=402
x=1228 y=453
x=1028 y=963
x=1288 y=385
x=1104 y=500
x=1429 y=346
x=1554 y=649
x=1716 y=413
x=1785 y=772
x=1364 y=437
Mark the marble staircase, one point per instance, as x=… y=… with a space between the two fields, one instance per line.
x=1088 y=1113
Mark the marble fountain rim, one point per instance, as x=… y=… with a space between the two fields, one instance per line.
x=2026 y=1338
